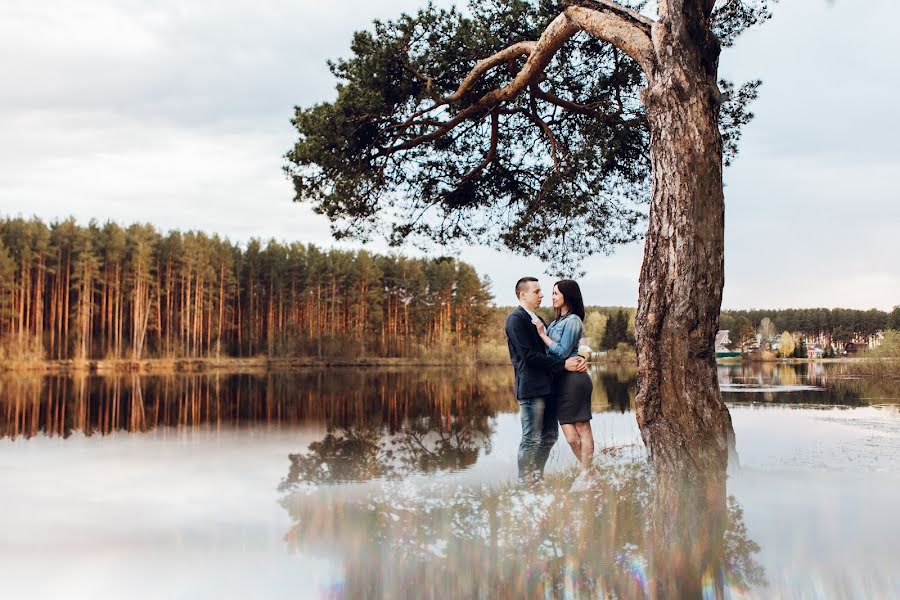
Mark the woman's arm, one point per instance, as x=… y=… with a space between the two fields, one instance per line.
x=568 y=341
x=542 y=331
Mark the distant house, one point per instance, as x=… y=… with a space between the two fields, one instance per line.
x=815 y=352
x=757 y=341
x=722 y=340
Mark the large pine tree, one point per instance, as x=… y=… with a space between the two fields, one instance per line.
x=542 y=127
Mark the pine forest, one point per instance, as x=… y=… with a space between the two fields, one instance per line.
x=111 y=292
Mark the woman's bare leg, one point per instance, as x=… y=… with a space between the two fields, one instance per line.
x=573 y=438
x=586 y=443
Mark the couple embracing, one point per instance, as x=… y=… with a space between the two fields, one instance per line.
x=552 y=384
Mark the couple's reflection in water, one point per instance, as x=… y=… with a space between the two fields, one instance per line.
x=361 y=453
x=403 y=529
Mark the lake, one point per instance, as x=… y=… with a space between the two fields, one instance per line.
x=348 y=483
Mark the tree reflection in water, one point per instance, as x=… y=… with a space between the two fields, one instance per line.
x=60 y=405
x=614 y=387
x=437 y=539
x=424 y=444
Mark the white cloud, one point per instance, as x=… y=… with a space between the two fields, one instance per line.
x=109 y=167
x=178 y=114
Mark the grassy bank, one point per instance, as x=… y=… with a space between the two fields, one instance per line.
x=883 y=361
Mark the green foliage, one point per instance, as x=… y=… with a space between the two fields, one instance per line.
x=564 y=164
x=800 y=350
x=616 y=331
x=7 y=289
x=894 y=319
x=890 y=345
x=884 y=360
x=623 y=352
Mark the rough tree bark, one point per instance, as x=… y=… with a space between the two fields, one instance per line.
x=683 y=420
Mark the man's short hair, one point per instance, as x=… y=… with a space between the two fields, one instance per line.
x=521 y=284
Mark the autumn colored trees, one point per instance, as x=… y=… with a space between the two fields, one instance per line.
x=106 y=291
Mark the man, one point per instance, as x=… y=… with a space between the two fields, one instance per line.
x=535 y=371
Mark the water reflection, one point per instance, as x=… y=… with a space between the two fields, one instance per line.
x=413 y=501
x=423 y=445
x=337 y=398
x=805 y=383
x=435 y=539
x=618 y=386
x=382 y=398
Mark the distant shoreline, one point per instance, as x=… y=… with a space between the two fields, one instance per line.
x=263 y=364
x=792 y=361
x=257 y=364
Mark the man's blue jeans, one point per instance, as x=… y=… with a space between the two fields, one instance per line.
x=539 y=434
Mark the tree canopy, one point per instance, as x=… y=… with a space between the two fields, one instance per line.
x=478 y=125
x=616 y=331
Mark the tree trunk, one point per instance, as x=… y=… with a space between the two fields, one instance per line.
x=683 y=421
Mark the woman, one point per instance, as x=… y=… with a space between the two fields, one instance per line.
x=573 y=389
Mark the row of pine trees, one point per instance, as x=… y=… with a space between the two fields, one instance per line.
x=106 y=291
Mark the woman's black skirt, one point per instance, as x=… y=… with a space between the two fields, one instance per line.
x=573 y=400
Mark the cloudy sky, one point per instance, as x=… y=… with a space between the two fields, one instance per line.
x=177 y=113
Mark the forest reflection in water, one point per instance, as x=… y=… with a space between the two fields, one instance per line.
x=337 y=398
x=386 y=482
x=60 y=405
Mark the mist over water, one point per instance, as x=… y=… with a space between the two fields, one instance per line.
x=386 y=482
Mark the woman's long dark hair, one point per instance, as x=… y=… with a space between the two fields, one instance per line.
x=571 y=294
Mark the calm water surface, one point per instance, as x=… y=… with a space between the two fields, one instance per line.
x=400 y=483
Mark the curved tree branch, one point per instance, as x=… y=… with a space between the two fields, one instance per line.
x=537 y=120
x=507 y=55
x=492 y=150
x=615 y=8
x=620 y=31
x=610 y=22
x=483 y=66
x=582 y=109
x=539 y=56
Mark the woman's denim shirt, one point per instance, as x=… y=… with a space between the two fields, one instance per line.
x=566 y=332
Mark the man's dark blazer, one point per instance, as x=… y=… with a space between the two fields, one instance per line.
x=535 y=369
